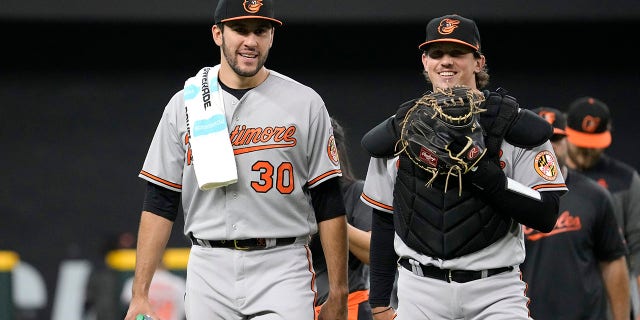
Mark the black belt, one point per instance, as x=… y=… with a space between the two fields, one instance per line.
x=450 y=275
x=244 y=244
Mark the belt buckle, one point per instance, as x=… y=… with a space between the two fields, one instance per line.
x=237 y=247
x=449 y=276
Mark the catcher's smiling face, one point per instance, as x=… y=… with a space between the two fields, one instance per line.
x=448 y=64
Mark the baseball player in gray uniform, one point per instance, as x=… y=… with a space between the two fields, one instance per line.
x=457 y=252
x=250 y=257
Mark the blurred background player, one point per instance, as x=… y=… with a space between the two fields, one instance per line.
x=589 y=126
x=359 y=232
x=585 y=250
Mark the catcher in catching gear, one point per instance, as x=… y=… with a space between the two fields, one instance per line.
x=441 y=132
x=456 y=254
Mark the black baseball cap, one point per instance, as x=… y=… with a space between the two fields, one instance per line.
x=589 y=123
x=557 y=120
x=452 y=28
x=229 y=10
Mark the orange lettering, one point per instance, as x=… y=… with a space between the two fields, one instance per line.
x=241 y=135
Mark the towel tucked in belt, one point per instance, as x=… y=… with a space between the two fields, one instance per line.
x=212 y=153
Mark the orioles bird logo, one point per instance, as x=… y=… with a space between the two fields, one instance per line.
x=447 y=26
x=590 y=123
x=252 y=6
x=332 y=150
x=548 y=115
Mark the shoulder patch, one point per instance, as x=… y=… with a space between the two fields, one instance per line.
x=546 y=165
x=332 y=150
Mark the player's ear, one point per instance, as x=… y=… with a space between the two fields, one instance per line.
x=216 y=32
x=480 y=62
x=273 y=33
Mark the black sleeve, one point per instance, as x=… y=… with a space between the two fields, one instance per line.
x=383 y=259
x=326 y=199
x=540 y=214
x=381 y=141
x=537 y=214
x=161 y=201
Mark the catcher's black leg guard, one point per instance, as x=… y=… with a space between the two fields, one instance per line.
x=380 y=141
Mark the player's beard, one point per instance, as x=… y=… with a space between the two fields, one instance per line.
x=584 y=158
x=232 y=60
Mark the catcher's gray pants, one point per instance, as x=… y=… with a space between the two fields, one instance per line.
x=499 y=297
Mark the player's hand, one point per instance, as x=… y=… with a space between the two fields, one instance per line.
x=140 y=306
x=334 y=309
x=383 y=313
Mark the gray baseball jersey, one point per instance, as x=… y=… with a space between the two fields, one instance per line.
x=534 y=168
x=283 y=144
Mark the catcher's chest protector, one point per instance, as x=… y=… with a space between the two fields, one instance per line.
x=442 y=224
x=450 y=224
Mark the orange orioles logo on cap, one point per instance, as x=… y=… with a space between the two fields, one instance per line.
x=332 y=151
x=548 y=115
x=546 y=165
x=590 y=123
x=448 y=25
x=252 y=6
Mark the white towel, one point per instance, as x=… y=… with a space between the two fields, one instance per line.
x=213 y=159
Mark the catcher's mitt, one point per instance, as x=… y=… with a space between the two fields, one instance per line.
x=441 y=133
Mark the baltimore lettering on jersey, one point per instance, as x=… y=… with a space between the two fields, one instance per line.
x=245 y=139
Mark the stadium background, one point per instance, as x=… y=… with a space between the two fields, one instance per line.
x=83 y=84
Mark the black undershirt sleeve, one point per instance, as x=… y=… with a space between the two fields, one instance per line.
x=384 y=260
x=533 y=213
x=326 y=199
x=491 y=183
x=161 y=201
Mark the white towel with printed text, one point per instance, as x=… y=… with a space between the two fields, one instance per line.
x=213 y=159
